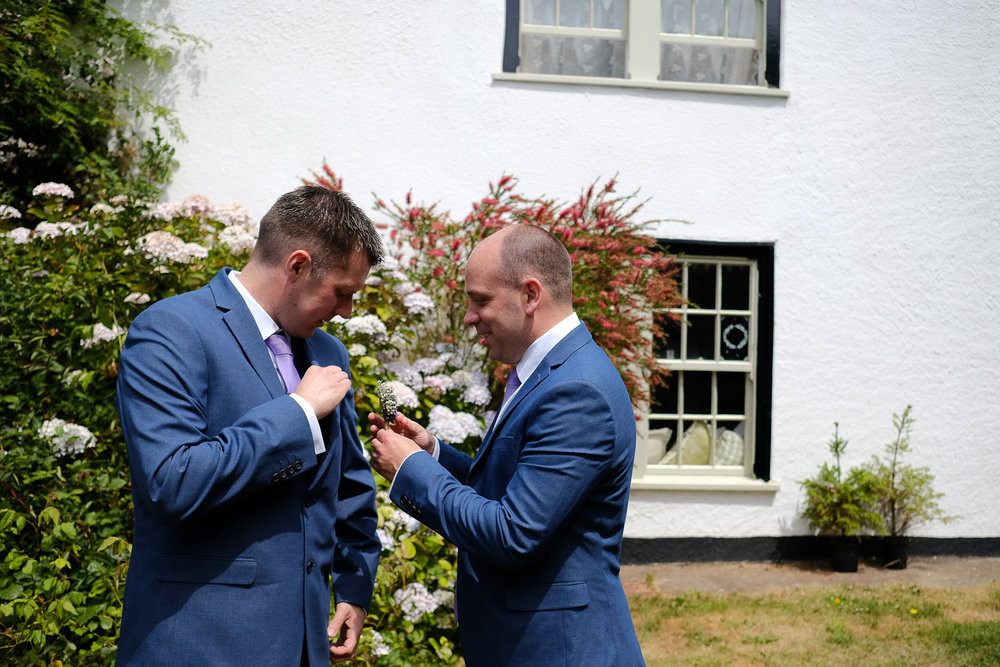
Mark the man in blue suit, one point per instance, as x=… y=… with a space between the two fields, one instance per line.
x=538 y=514
x=251 y=491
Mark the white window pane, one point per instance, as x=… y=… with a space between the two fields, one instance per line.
x=540 y=12
x=573 y=56
x=609 y=14
x=705 y=64
x=675 y=16
x=709 y=17
x=574 y=13
x=743 y=18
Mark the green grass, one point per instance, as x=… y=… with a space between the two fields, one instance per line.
x=853 y=625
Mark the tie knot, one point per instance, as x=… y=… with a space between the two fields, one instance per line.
x=278 y=343
x=513 y=382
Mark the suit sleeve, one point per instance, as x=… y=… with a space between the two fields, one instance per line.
x=178 y=463
x=558 y=454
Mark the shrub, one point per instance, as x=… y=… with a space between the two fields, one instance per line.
x=71 y=94
x=69 y=292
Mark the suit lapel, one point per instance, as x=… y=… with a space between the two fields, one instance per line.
x=241 y=324
x=572 y=342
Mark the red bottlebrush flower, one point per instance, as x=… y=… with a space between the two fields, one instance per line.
x=438 y=270
x=436 y=252
x=451 y=284
x=457 y=257
x=455 y=243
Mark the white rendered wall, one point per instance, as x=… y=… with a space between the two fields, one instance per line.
x=876 y=178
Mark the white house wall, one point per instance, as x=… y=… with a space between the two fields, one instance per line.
x=877 y=179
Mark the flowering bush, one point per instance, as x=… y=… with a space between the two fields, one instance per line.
x=68 y=291
x=72 y=285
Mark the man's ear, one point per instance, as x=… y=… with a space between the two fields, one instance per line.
x=297 y=265
x=531 y=294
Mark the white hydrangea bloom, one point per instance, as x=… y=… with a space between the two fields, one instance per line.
x=67 y=439
x=49 y=230
x=233 y=214
x=387 y=541
x=402 y=520
x=165 y=211
x=9 y=212
x=405 y=287
x=104 y=209
x=405 y=396
x=428 y=365
x=197 y=205
x=357 y=350
x=389 y=263
x=138 y=298
x=237 y=239
x=19 y=235
x=477 y=394
x=418 y=302
x=467 y=378
x=379 y=646
x=406 y=374
x=368 y=325
x=453 y=426
x=164 y=246
x=52 y=190
x=440 y=382
x=102 y=334
x=415 y=601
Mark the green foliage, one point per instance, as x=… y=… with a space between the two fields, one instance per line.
x=72 y=89
x=73 y=284
x=839 y=503
x=68 y=291
x=905 y=493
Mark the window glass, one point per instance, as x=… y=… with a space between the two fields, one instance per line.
x=573 y=56
x=735 y=287
x=708 y=64
x=540 y=12
x=700 y=336
x=710 y=17
x=675 y=16
x=574 y=13
x=701 y=285
x=609 y=14
x=743 y=18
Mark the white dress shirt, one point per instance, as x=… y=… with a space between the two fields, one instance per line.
x=267 y=326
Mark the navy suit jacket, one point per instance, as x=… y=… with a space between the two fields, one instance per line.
x=538 y=516
x=240 y=529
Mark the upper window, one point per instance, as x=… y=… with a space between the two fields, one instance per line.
x=692 y=44
x=711 y=420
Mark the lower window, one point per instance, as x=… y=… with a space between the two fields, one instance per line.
x=711 y=419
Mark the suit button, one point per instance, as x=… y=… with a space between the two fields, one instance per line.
x=284 y=474
x=290 y=470
x=309 y=567
x=275 y=477
x=298 y=465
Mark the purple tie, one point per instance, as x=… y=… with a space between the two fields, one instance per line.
x=283 y=359
x=513 y=382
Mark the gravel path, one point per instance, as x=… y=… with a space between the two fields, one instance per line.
x=678 y=578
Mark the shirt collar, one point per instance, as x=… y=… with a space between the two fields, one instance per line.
x=543 y=345
x=265 y=323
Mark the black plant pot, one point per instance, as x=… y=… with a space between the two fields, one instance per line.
x=844 y=553
x=893 y=550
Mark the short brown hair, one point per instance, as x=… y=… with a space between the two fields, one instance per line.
x=324 y=222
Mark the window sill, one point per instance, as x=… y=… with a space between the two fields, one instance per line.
x=703 y=483
x=717 y=88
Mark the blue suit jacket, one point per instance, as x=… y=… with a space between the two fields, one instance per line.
x=538 y=516
x=240 y=529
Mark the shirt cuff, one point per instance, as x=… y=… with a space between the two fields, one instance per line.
x=436 y=454
x=318 y=445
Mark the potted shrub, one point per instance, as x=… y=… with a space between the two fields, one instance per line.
x=905 y=494
x=839 y=505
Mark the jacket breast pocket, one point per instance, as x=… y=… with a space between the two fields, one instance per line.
x=559 y=595
x=207 y=570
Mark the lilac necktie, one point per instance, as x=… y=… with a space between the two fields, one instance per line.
x=513 y=382
x=283 y=359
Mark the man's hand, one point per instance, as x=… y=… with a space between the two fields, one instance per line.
x=344 y=631
x=404 y=427
x=324 y=387
x=389 y=450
